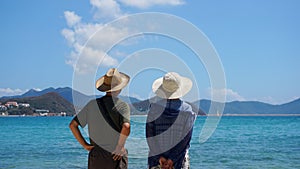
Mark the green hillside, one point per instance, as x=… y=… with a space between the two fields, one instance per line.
x=49 y=101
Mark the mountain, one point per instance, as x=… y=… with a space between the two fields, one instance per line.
x=50 y=101
x=67 y=93
x=129 y=100
x=254 y=107
x=291 y=107
x=30 y=93
x=33 y=92
x=55 y=100
x=141 y=107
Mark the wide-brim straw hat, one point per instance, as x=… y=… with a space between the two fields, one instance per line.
x=172 y=86
x=113 y=80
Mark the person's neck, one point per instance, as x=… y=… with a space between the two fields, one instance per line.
x=111 y=94
x=173 y=99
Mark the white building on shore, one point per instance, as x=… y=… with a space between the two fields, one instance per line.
x=42 y=112
x=24 y=105
x=11 y=105
x=3 y=108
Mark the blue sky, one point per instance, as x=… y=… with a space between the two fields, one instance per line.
x=257 y=42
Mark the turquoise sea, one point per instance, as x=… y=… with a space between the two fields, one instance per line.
x=238 y=142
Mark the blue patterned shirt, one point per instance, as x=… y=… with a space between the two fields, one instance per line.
x=169 y=130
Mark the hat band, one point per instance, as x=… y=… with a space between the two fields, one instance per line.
x=111 y=81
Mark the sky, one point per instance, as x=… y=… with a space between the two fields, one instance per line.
x=56 y=43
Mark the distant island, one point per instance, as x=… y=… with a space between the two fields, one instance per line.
x=59 y=102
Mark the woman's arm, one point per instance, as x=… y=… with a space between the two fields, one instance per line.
x=77 y=134
x=120 y=149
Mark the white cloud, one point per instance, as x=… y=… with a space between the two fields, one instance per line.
x=111 y=35
x=147 y=3
x=37 y=89
x=91 y=60
x=92 y=52
x=106 y=9
x=79 y=33
x=229 y=93
x=69 y=36
x=11 y=92
x=72 y=18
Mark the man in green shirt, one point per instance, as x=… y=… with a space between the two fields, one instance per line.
x=108 y=120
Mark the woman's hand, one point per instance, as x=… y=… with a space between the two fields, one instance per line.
x=88 y=147
x=119 y=152
x=162 y=161
x=165 y=163
x=170 y=164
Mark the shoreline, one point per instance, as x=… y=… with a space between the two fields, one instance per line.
x=255 y=115
x=212 y=115
x=30 y=116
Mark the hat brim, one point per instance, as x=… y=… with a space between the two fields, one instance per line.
x=185 y=86
x=108 y=88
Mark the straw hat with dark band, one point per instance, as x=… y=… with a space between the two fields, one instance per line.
x=113 y=80
x=172 y=86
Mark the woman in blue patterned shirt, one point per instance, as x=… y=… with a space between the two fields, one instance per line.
x=170 y=123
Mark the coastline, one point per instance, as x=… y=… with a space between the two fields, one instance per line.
x=256 y=115
x=212 y=115
x=29 y=116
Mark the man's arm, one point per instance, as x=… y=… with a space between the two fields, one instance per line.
x=120 y=149
x=77 y=134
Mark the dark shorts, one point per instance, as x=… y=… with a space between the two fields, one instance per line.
x=102 y=159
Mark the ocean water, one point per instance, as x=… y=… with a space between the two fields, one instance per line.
x=238 y=142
